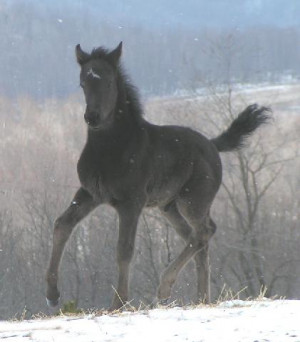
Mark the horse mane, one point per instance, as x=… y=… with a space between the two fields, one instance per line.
x=132 y=93
x=99 y=52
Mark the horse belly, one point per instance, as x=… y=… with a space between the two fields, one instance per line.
x=162 y=189
x=160 y=198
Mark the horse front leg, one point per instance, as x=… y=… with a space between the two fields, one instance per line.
x=128 y=220
x=81 y=205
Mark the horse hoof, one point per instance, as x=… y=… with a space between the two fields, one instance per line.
x=163 y=302
x=52 y=303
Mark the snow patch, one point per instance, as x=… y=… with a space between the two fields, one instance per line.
x=247 y=321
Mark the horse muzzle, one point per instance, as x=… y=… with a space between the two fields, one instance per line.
x=91 y=118
x=95 y=121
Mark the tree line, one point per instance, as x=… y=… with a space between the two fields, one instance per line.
x=39 y=52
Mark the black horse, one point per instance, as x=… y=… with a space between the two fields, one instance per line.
x=130 y=164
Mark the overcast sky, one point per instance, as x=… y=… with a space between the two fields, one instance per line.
x=192 y=13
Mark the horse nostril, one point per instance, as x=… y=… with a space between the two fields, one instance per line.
x=90 y=118
x=86 y=118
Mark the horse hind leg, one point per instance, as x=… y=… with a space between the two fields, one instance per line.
x=177 y=221
x=203 y=270
x=184 y=231
x=191 y=220
x=194 y=205
x=195 y=244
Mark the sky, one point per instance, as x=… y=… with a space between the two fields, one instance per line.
x=188 y=13
x=195 y=13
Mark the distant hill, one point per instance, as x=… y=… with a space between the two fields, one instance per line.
x=168 y=44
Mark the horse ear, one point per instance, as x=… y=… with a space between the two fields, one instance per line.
x=81 y=55
x=115 y=55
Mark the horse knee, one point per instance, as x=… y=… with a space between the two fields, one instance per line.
x=203 y=235
x=208 y=230
x=197 y=243
x=67 y=219
x=59 y=223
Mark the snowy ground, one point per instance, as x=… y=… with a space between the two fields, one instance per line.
x=231 y=321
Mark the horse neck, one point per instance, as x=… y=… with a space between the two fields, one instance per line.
x=124 y=127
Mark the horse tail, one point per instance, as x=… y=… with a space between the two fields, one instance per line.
x=243 y=126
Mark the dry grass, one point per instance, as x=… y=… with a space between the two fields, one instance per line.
x=226 y=295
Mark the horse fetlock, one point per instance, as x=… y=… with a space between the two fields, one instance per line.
x=53 y=296
x=52 y=302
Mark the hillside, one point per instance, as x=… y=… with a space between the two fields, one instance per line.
x=229 y=321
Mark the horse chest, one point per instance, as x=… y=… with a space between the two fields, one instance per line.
x=93 y=183
x=106 y=180
x=90 y=173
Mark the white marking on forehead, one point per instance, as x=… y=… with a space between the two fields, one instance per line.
x=93 y=74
